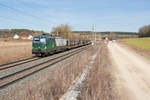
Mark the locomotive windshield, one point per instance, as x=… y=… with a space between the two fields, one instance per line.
x=41 y=40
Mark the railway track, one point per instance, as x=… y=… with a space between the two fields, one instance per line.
x=11 y=78
x=18 y=62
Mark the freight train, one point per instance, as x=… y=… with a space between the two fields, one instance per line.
x=44 y=45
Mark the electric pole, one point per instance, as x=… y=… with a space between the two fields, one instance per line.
x=57 y=33
x=94 y=32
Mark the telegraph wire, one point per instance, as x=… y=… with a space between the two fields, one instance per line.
x=31 y=15
x=23 y=12
x=16 y=20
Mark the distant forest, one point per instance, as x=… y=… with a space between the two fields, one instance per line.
x=107 y=33
x=120 y=33
x=4 y=33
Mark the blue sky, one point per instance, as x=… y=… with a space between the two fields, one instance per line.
x=107 y=15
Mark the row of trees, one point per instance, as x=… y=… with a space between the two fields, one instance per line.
x=64 y=30
x=144 y=31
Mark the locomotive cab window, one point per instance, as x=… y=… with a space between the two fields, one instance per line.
x=43 y=40
x=36 y=40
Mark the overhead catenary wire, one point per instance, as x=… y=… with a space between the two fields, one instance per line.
x=13 y=19
x=44 y=21
x=24 y=13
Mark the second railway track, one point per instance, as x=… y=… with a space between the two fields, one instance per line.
x=11 y=78
x=16 y=63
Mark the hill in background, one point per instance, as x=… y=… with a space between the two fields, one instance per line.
x=5 y=33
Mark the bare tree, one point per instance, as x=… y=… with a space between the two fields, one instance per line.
x=144 y=31
x=63 y=30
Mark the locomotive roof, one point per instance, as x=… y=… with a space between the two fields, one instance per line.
x=48 y=36
x=44 y=36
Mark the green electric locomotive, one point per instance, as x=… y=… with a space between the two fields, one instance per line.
x=44 y=45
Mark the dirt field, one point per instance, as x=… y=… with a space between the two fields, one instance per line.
x=131 y=71
x=10 y=51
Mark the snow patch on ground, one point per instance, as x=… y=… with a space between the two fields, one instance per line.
x=73 y=91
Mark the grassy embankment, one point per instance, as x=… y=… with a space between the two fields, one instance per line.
x=143 y=43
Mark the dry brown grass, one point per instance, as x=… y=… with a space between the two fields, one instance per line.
x=11 y=51
x=54 y=83
x=99 y=84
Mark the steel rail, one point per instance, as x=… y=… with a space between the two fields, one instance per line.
x=16 y=63
x=24 y=76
